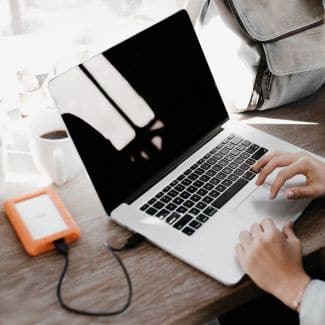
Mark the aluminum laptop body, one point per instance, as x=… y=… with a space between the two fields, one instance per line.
x=153 y=133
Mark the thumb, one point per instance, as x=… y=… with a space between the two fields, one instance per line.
x=299 y=192
x=288 y=232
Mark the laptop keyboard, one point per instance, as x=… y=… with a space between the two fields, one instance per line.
x=194 y=197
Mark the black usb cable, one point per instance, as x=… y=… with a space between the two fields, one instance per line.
x=63 y=249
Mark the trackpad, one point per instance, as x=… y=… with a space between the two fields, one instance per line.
x=257 y=206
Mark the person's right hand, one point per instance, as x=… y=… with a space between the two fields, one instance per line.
x=294 y=163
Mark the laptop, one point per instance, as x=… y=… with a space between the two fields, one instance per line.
x=166 y=161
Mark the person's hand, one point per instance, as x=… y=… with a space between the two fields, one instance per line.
x=273 y=260
x=294 y=163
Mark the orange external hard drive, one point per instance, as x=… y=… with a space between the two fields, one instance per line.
x=39 y=219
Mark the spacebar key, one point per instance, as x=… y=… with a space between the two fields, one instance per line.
x=226 y=196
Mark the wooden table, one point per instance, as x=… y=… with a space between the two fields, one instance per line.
x=165 y=289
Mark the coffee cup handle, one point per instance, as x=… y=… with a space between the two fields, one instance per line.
x=59 y=177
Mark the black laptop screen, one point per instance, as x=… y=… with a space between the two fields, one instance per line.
x=134 y=109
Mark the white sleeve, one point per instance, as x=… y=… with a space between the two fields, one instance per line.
x=312 y=308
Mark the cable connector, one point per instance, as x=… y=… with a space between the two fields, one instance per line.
x=61 y=246
x=132 y=242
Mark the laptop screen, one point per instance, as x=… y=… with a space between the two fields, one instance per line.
x=138 y=106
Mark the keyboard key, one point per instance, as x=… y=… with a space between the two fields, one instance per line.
x=201 y=206
x=215 y=181
x=208 y=186
x=182 y=222
x=212 y=161
x=201 y=161
x=181 y=209
x=195 y=224
x=188 y=204
x=185 y=195
x=186 y=182
x=144 y=207
x=193 y=177
x=223 y=162
x=249 y=175
x=179 y=188
x=211 y=173
x=244 y=155
x=214 y=150
x=194 y=166
x=230 y=136
x=258 y=154
x=198 y=183
x=181 y=177
x=245 y=166
x=229 y=146
x=152 y=201
x=217 y=167
x=187 y=171
x=239 y=172
x=225 y=150
x=151 y=211
x=166 y=199
x=162 y=214
x=158 y=205
x=188 y=231
x=233 y=165
x=205 y=166
x=226 y=196
x=214 y=193
x=207 y=156
x=199 y=171
x=207 y=199
x=235 y=140
x=229 y=157
x=194 y=211
x=204 y=178
x=225 y=141
x=210 y=211
x=250 y=161
x=235 y=152
x=159 y=195
x=173 y=183
x=226 y=182
x=240 y=147
x=252 y=148
x=221 y=175
x=195 y=198
x=220 y=188
x=173 y=217
x=191 y=189
x=202 y=218
x=233 y=177
x=239 y=160
x=172 y=193
x=178 y=201
x=227 y=170
x=246 y=143
x=171 y=206
x=202 y=192
x=218 y=156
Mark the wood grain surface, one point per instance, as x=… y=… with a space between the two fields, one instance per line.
x=166 y=290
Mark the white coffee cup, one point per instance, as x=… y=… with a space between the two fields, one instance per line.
x=53 y=155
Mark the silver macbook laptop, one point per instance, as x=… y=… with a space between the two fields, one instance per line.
x=153 y=133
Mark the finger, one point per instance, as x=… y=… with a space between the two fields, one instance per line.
x=264 y=160
x=268 y=225
x=278 y=161
x=300 y=192
x=288 y=232
x=285 y=174
x=245 y=239
x=256 y=231
x=239 y=249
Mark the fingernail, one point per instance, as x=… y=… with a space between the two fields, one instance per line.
x=290 y=194
x=271 y=196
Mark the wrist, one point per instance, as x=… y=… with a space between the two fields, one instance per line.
x=290 y=292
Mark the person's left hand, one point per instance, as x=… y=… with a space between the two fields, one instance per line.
x=273 y=260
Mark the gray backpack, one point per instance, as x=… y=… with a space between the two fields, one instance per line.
x=289 y=36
